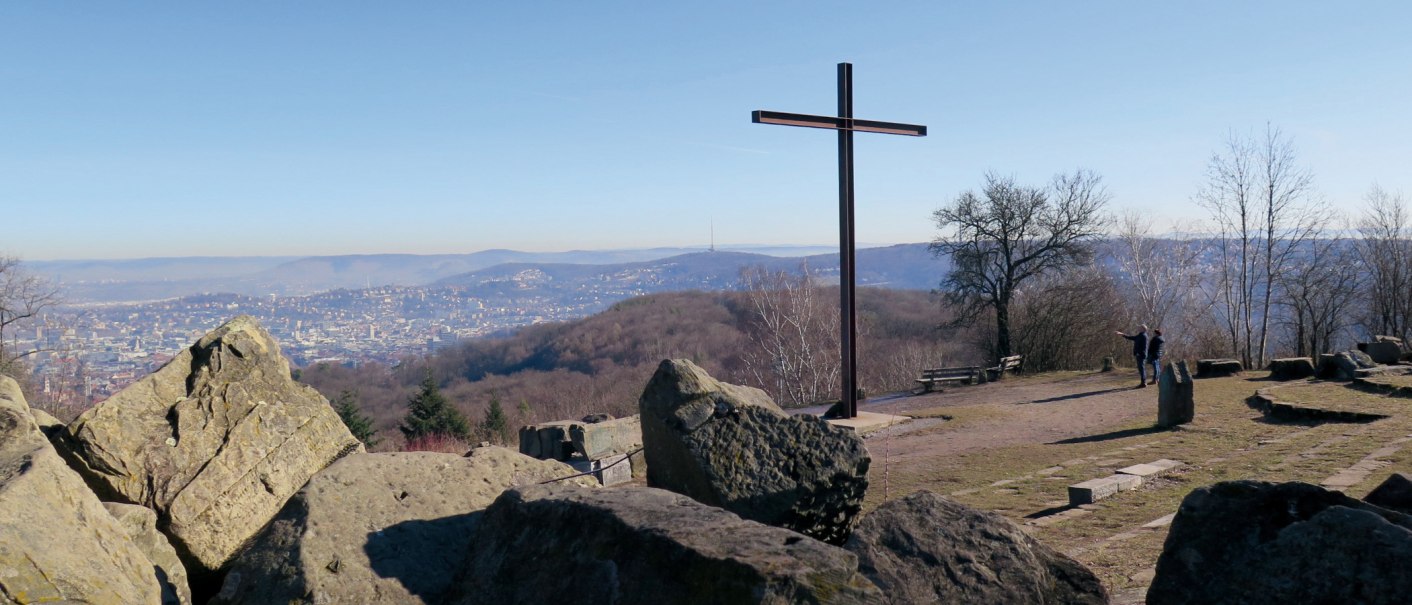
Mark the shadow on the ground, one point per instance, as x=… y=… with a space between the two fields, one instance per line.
x=1081 y=395
x=1147 y=430
x=1053 y=510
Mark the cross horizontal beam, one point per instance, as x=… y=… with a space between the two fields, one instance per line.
x=781 y=118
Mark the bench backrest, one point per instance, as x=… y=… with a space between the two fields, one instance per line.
x=950 y=372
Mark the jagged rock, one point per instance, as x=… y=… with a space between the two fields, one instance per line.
x=1394 y=493
x=48 y=424
x=1363 y=360
x=1291 y=368
x=1257 y=542
x=1176 y=402
x=730 y=446
x=1216 y=368
x=1327 y=367
x=926 y=548
x=1382 y=351
x=57 y=543
x=639 y=545
x=380 y=528
x=140 y=523
x=1347 y=366
x=215 y=441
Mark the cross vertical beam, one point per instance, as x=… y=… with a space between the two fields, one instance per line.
x=845 y=124
x=848 y=327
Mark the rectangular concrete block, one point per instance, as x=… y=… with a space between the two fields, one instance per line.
x=553 y=440
x=529 y=441
x=1094 y=490
x=1155 y=468
x=602 y=439
x=609 y=471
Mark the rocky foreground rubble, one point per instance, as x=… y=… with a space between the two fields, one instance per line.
x=218 y=479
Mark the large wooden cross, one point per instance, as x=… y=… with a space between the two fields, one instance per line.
x=846 y=125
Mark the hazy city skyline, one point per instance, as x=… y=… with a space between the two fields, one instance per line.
x=144 y=130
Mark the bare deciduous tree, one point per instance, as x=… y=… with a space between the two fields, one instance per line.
x=23 y=296
x=1318 y=289
x=1259 y=199
x=795 y=335
x=1385 y=249
x=1161 y=276
x=1010 y=234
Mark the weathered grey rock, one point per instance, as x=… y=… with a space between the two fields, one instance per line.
x=215 y=442
x=926 y=548
x=607 y=437
x=547 y=440
x=1327 y=367
x=1175 y=396
x=140 y=523
x=1258 y=542
x=730 y=446
x=1384 y=352
x=636 y=545
x=380 y=528
x=57 y=542
x=1362 y=359
x=1347 y=366
x=1394 y=493
x=1291 y=368
x=1216 y=368
x=48 y=424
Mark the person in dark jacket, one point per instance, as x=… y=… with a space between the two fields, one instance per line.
x=1154 y=353
x=1139 y=353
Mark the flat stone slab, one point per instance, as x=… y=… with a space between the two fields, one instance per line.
x=867 y=422
x=1150 y=469
x=1094 y=490
x=1160 y=521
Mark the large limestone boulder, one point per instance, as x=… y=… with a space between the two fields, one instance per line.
x=140 y=524
x=1258 y=542
x=731 y=446
x=636 y=545
x=57 y=542
x=1291 y=368
x=1382 y=351
x=1217 y=368
x=1394 y=493
x=926 y=548
x=1176 y=403
x=215 y=442
x=380 y=528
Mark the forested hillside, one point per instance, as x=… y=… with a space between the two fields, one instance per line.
x=601 y=363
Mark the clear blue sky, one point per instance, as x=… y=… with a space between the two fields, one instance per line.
x=290 y=128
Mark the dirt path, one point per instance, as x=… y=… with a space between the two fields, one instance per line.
x=1017 y=411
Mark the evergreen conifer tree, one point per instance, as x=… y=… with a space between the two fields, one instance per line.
x=361 y=426
x=428 y=413
x=496 y=424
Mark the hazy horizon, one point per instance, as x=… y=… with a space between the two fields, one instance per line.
x=317 y=129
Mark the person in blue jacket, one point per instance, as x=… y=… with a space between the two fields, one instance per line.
x=1140 y=354
x=1154 y=353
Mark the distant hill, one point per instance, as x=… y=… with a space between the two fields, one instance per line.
x=905 y=266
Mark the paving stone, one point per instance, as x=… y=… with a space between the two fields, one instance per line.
x=1150 y=469
x=1160 y=521
x=1002 y=482
x=964 y=492
x=1049 y=471
x=1094 y=490
x=1343 y=480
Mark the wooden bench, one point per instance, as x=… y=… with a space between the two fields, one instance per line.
x=936 y=376
x=1007 y=364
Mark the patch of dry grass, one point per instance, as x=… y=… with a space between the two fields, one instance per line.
x=1228 y=440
